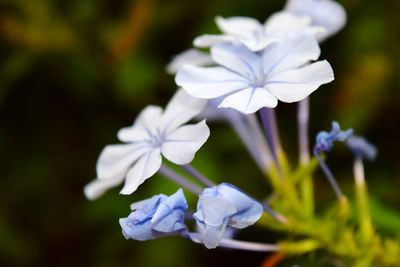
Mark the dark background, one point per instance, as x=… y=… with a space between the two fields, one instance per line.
x=73 y=72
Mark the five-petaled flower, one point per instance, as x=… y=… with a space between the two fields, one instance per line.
x=256 y=36
x=325 y=140
x=222 y=206
x=325 y=13
x=250 y=81
x=153 y=134
x=156 y=217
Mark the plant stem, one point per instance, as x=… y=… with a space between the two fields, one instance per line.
x=330 y=177
x=199 y=176
x=236 y=244
x=279 y=217
x=364 y=216
x=306 y=185
x=262 y=145
x=180 y=180
x=248 y=140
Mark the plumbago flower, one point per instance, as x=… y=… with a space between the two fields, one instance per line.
x=153 y=134
x=222 y=206
x=250 y=81
x=156 y=217
x=325 y=13
x=256 y=36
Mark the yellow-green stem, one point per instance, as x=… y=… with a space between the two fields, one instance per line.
x=364 y=216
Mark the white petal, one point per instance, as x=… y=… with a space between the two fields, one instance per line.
x=209 y=82
x=144 y=168
x=97 y=187
x=330 y=15
x=181 y=109
x=326 y=13
x=238 y=59
x=286 y=22
x=249 y=100
x=190 y=56
x=181 y=145
x=241 y=26
x=290 y=53
x=145 y=123
x=208 y=40
x=295 y=85
x=115 y=160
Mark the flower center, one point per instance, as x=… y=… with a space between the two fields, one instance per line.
x=258 y=80
x=156 y=139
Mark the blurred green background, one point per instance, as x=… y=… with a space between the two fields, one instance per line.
x=73 y=72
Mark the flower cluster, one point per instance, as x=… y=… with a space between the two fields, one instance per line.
x=249 y=68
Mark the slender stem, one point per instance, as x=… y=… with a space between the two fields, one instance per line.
x=199 y=176
x=245 y=136
x=306 y=185
x=364 y=216
x=236 y=244
x=330 y=177
x=302 y=119
x=279 y=217
x=180 y=180
x=268 y=118
x=260 y=140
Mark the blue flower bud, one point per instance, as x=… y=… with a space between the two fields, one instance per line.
x=155 y=217
x=361 y=147
x=325 y=140
x=222 y=206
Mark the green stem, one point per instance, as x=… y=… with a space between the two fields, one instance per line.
x=364 y=216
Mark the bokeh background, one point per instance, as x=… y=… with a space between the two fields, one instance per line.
x=73 y=72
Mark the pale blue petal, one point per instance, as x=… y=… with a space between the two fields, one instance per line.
x=216 y=209
x=212 y=235
x=238 y=58
x=172 y=222
x=181 y=145
x=144 y=125
x=326 y=13
x=290 y=53
x=249 y=100
x=361 y=147
x=247 y=217
x=180 y=109
x=175 y=201
x=209 y=82
x=143 y=169
x=140 y=232
x=297 y=84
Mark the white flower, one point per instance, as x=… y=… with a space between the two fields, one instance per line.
x=257 y=36
x=190 y=56
x=250 y=81
x=153 y=134
x=325 y=13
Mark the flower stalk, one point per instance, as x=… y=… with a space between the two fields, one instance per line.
x=364 y=216
x=306 y=185
x=179 y=180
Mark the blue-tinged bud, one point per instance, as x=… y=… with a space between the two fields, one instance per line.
x=325 y=140
x=156 y=217
x=222 y=206
x=361 y=147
